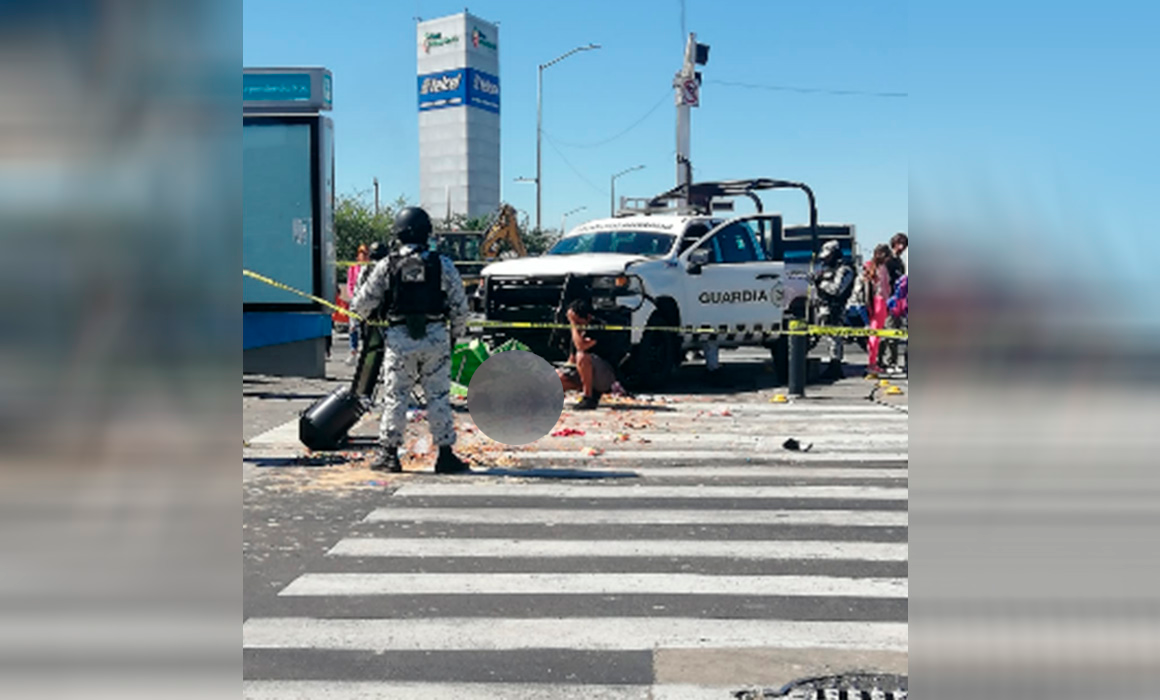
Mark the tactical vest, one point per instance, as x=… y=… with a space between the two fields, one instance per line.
x=842 y=297
x=415 y=293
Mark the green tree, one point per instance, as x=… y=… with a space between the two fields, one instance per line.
x=538 y=242
x=356 y=223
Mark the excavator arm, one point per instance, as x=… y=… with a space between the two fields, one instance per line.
x=504 y=228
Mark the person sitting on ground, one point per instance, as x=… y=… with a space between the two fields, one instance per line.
x=586 y=371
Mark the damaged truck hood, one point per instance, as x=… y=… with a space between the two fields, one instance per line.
x=551 y=265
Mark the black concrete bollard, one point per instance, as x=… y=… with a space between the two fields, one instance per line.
x=799 y=348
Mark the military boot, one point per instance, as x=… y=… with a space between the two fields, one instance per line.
x=387 y=460
x=449 y=463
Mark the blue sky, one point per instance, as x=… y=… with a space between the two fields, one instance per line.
x=851 y=149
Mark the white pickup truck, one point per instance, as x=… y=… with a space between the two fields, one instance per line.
x=691 y=275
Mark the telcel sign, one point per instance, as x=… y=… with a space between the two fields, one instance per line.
x=458 y=87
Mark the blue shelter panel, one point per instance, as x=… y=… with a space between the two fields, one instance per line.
x=277 y=218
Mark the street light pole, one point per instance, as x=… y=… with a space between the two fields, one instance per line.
x=564 y=217
x=539 y=131
x=540 y=121
x=612 y=203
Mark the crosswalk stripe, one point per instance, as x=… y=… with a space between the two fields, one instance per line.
x=553 y=548
x=640 y=517
x=338 y=690
x=716 y=456
x=608 y=634
x=757 y=442
x=692 y=471
x=479 y=490
x=847 y=412
x=352 y=584
x=516 y=516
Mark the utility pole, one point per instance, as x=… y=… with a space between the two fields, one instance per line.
x=687 y=83
x=540 y=119
x=376 y=196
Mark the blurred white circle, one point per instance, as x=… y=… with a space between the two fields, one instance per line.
x=515 y=397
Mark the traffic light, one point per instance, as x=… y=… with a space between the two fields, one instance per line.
x=702 y=54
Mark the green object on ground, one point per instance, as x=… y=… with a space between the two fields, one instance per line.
x=467 y=357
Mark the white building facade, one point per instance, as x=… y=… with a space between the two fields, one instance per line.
x=459 y=102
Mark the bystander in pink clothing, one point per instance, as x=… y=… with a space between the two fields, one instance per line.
x=878 y=281
x=352 y=275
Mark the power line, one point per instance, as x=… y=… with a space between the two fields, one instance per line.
x=630 y=127
x=572 y=167
x=807 y=91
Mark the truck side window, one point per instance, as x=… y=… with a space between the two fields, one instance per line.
x=735 y=243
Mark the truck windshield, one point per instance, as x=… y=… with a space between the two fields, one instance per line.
x=623 y=242
x=459 y=247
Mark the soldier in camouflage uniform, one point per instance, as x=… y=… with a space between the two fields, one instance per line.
x=416 y=292
x=833 y=285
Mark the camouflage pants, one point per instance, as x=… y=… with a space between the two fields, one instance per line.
x=428 y=359
x=830 y=316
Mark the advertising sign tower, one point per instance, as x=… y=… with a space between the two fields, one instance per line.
x=458 y=98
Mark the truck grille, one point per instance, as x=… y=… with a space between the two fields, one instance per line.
x=523 y=298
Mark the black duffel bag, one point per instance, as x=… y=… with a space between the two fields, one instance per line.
x=324 y=426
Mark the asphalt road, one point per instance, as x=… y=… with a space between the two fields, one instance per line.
x=706 y=559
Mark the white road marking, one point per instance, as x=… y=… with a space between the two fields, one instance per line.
x=764 y=550
x=694 y=471
x=358 y=584
x=340 y=690
x=760 y=443
x=608 y=634
x=778 y=456
x=553 y=516
x=481 y=490
x=285 y=434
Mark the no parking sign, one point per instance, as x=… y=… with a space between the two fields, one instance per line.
x=690 y=92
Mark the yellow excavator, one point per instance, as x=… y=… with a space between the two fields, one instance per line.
x=472 y=250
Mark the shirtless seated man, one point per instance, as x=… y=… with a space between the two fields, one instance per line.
x=587 y=371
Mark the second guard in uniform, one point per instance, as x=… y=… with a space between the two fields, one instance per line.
x=419 y=292
x=833 y=285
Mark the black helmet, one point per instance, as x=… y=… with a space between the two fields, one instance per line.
x=831 y=250
x=378 y=251
x=413 y=226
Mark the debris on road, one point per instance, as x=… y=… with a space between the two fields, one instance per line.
x=795 y=446
x=567 y=432
x=592 y=451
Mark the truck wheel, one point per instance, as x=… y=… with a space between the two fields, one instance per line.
x=654 y=358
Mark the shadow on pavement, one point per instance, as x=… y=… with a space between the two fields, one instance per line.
x=280 y=395
x=328 y=460
x=554 y=473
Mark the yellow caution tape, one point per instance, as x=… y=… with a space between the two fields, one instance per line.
x=458 y=263
x=796 y=327
x=328 y=304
